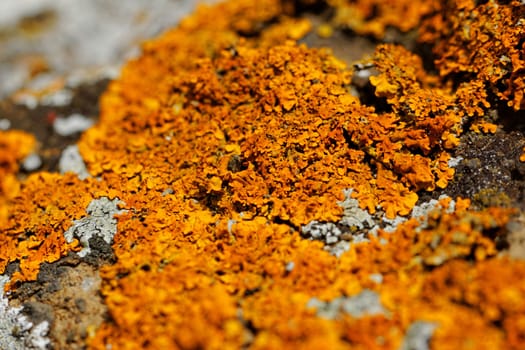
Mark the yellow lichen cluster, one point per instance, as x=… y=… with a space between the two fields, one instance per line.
x=222 y=140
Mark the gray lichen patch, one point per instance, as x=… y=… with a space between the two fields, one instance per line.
x=32 y=162
x=425 y=208
x=357 y=225
x=75 y=123
x=418 y=336
x=353 y=216
x=5 y=124
x=71 y=161
x=17 y=332
x=352 y=228
x=422 y=211
x=100 y=222
x=366 y=303
x=331 y=235
x=327 y=232
x=376 y=278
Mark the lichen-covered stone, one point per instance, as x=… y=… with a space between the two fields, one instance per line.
x=225 y=144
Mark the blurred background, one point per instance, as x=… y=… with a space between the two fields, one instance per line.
x=42 y=41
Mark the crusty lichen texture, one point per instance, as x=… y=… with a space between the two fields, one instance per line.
x=227 y=136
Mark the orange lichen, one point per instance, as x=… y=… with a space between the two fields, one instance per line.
x=14 y=146
x=224 y=139
x=252 y=138
x=482 y=41
x=493 y=300
x=376 y=16
x=181 y=270
x=424 y=119
x=302 y=96
x=33 y=232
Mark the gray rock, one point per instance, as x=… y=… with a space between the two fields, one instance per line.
x=17 y=332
